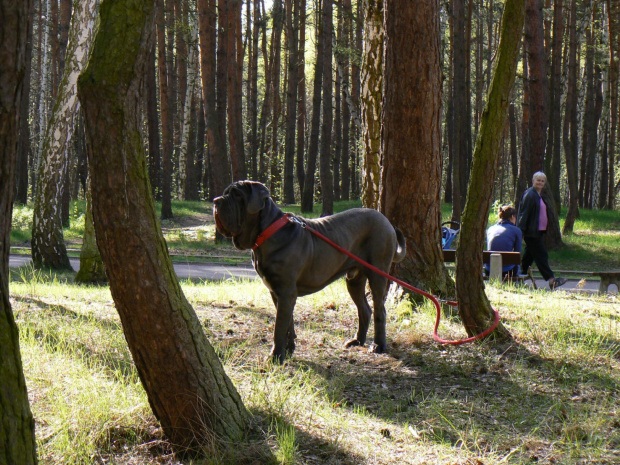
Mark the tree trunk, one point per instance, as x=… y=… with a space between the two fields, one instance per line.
x=165 y=112
x=48 y=247
x=292 y=30
x=23 y=146
x=185 y=382
x=525 y=170
x=371 y=96
x=216 y=152
x=153 y=124
x=234 y=89
x=613 y=8
x=345 y=164
x=91 y=264
x=275 y=180
x=537 y=63
x=411 y=150
x=253 y=93
x=17 y=437
x=462 y=122
x=571 y=125
x=301 y=96
x=325 y=172
x=554 y=140
x=474 y=307
x=307 y=198
x=192 y=77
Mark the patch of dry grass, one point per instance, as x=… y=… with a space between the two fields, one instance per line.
x=552 y=396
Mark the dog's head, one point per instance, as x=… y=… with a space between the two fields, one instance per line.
x=237 y=212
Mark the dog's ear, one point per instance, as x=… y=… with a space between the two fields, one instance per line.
x=256 y=200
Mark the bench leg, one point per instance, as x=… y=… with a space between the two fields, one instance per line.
x=606 y=282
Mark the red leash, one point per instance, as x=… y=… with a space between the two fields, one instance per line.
x=293 y=219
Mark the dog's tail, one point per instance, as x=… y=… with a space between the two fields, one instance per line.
x=401 y=251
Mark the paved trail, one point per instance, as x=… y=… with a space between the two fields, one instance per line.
x=217 y=272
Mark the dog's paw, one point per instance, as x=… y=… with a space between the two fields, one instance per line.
x=378 y=348
x=353 y=343
x=277 y=357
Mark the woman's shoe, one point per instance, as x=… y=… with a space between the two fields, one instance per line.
x=557 y=282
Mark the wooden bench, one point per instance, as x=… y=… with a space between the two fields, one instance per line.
x=607 y=279
x=495 y=259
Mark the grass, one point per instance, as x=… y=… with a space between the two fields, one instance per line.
x=552 y=396
x=594 y=245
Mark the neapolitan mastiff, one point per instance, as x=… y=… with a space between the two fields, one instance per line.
x=294 y=262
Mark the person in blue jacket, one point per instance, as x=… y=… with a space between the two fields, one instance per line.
x=504 y=236
x=532 y=220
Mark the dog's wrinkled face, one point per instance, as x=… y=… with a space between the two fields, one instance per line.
x=237 y=211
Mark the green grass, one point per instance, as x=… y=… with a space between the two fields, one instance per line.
x=552 y=396
x=594 y=245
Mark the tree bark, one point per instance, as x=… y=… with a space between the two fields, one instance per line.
x=48 y=247
x=325 y=172
x=345 y=164
x=234 y=89
x=165 y=112
x=292 y=31
x=153 y=126
x=571 y=125
x=23 y=146
x=17 y=436
x=371 y=96
x=613 y=8
x=411 y=150
x=92 y=269
x=539 y=84
x=185 y=382
x=554 y=140
x=301 y=96
x=462 y=120
x=307 y=198
x=474 y=307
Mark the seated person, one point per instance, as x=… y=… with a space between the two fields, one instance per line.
x=505 y=237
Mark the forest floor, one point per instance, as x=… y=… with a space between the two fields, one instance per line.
x=550 y=396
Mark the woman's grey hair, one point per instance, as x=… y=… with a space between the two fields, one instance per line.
x=539 y=174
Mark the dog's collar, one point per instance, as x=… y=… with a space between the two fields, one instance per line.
x=276 y=226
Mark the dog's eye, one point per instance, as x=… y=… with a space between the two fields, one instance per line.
x=237 y=195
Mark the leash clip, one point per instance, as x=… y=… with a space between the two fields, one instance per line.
x=294 y=219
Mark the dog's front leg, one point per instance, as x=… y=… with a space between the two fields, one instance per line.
x=284 y=332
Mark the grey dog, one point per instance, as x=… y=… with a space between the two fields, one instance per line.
x=294 y=262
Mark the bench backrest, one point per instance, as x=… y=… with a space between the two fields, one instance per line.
x=508 y=258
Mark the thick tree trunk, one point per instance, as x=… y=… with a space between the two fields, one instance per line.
x=292 y=31
x=411 y=150
x=275 y=175
x=17 y=438
x=307 y=198
x=325 y=172
x=187 y=388
x=474 y=307
x=48 y=247
x=371 y=96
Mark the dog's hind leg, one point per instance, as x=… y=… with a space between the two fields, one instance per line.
x=378 y=288
x=356 y=285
